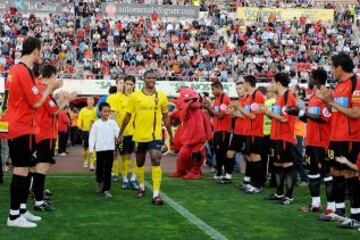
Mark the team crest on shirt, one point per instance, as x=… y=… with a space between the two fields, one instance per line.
x=254 y=107
x=326 y=113
x=356 y=96
x=35 y=90
x=331 y=154
x=223 y=107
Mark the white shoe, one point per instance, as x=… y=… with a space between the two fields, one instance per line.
x=86 y=165
x=107 y=194
x=62 y=154
x=20 y=222
x=30 y=217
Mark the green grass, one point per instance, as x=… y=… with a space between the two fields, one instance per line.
x=82 y=214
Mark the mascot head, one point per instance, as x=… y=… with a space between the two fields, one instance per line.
x=188 y=96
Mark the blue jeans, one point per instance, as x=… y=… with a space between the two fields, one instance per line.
x=210 y=155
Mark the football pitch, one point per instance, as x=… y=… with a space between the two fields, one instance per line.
x=192 y=210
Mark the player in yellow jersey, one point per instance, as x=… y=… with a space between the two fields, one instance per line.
x=149 y=108
x=119 y=104
x=86 y=118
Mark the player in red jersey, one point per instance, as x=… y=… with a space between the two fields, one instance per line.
x=24 y=98
x=254 y=133
x=317 y=116
x=222 y=128
x=283 y=138
x=344 y=137
x=237 y=143
x=46 y=133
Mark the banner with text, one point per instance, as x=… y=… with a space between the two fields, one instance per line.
x=286 y=14
x=125 y=9
x=32 y=6
x=101 y=87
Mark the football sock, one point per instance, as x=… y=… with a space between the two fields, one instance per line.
x=354 y=190
x=115 y=168
x=257 y=172
x=127 y=164
x=141 y=177
x=92 y=158
x=314 y=186
x=339 y=194
x=248 y=172
x=134 y=173
x=85 y=156
x=156 y=174
x=122 y=162
x=230 y=163
x=39 y=183
x=17 y=186
x=329 y=188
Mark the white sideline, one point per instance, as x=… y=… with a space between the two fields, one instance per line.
x=211 y=232
x=207 y=229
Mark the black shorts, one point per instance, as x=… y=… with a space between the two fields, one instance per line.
x=317 y=161
x=283 y=151
x=338 y=149
x=21 y=151
x=85 y=139
x=253 y=145
x=127 y=147
x=143 y=147
x=45 y=151
x=237 y=143
x=221 y=141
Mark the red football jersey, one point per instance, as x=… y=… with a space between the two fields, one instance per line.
x=242 y=124
x=318 y=134
x=342 y=127
x=279 y=130
x=221 y=104
x=23 y=95
x=252 y=105
x=355 y=123
x=63 y=121
x=45 y=119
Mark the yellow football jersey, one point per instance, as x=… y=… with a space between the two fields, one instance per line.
x=86 y=118
x=118 y=103
x=147 y=111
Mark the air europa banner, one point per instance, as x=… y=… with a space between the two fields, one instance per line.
x=32 y=6
x=286 y=14
x=125 y=9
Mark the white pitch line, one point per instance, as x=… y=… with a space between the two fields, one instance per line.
x=211 y=232
x=207 y=229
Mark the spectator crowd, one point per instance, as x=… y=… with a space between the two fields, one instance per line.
x=85 y=43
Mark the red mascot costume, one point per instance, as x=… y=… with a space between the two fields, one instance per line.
x=195 y=132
